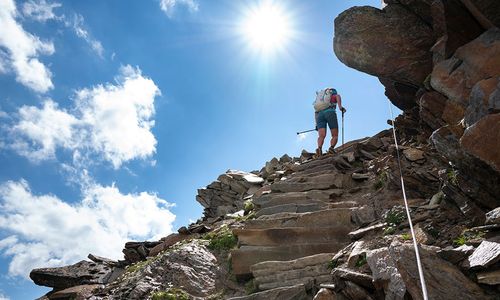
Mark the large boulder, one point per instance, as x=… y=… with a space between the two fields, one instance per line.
x=443 y=279
x=470 y=64
x=482 y=140
x=392 y=43
x=484 y=99
x=81 y=273
x=448 y=19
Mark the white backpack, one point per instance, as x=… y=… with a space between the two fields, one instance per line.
x=323 y=98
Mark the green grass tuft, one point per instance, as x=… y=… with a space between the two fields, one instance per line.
x=220 y=240
x=170 y=294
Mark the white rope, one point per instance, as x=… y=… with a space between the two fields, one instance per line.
x=417 y=254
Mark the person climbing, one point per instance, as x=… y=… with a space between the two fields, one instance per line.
x=325 y=113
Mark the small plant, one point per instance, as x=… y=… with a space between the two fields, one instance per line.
x=361 y=261
x=395 y=216
x=452 y=176
x=468 y=236
x=381 y=180
x=406 y=236
x=170 y=294
x=333 y=264
x=137 y=266
x=248 y=207
x=223 y=239
x=389 y=230
x=460 y=241
x=251 y=287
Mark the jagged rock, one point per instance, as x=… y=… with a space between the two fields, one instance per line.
x=357 y=234
x=356 y=277
x=385 y=274
x=455 y=255
x=413 y=154
x=443 y=280
x=493 y=216
x=371 y=40
x=79 y=292
x=471 y=63
x=296 y=292
x=190 y=266
x=81 y=273
x=325 y=294
x=422 y=236
x=432 y=106
x=354 y=291
x=491 y=278
x=484 y=99
x=482 y=180
x=358 y=253
x=485 y=255
x=167 y=242
x=482 y=139
x=402 y=95
x=363 y=215
x=448 y=19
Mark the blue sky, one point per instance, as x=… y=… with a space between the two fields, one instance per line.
x=113 y=113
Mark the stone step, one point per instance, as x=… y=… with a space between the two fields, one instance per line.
x=320 y=182
x=292 y=207
x=322 y=218
x=271 y=267
x=343 y=204
x=307 y=281
x=314 y=196
x=246 y=256
x=295 y=292
x=292 y=236
x=307 y=270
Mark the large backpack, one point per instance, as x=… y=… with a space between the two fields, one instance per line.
x=324 y=99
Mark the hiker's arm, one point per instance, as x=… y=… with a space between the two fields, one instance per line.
x=316 y=120
x=339 y=102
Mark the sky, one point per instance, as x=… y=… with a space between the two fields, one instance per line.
x=113 y=113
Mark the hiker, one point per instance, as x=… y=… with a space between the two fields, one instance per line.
x=324 y=113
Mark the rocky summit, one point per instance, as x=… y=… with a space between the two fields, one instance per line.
x=335 y=226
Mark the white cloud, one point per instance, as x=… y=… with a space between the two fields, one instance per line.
x=112 y=120
x=45 y=231
x=42 y=130
x=40 y=10
x=168 y=6
x=78 y=27
x=3 y=297
x=23 y=50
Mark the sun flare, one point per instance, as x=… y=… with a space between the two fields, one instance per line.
x=267 y=27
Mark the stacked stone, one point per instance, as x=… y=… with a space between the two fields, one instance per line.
x=228 y=193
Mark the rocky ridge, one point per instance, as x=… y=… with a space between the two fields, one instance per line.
x=334 y=227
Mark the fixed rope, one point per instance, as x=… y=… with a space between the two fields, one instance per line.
x=417 y=254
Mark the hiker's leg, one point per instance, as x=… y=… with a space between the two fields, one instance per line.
x=321 y=137
x=335 y=137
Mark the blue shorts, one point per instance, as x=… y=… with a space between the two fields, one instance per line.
x=327 y=116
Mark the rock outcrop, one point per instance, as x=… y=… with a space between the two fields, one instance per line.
x=335 y=226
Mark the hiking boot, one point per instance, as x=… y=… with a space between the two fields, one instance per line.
x=331 y=150
x=318 y=152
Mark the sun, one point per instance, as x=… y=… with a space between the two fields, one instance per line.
x=267 y=27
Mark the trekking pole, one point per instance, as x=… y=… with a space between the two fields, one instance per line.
x=301 y=132
x=343 y=111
